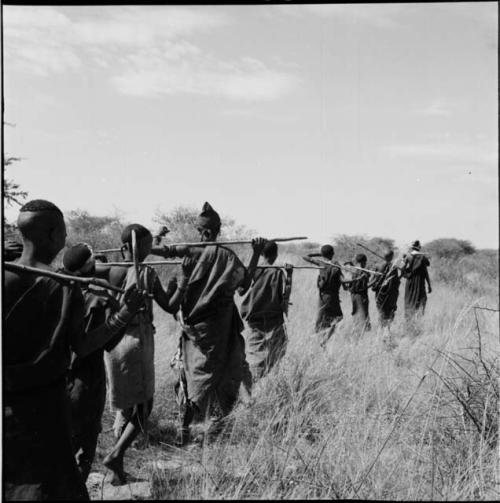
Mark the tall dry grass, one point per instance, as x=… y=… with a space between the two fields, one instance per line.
x=360 y=418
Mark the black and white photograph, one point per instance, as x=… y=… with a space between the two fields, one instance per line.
x=250 y=251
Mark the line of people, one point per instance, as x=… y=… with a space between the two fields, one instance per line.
x=58 y=338
x=63 y=345
x=384 y=281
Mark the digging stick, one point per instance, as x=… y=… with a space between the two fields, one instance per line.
x=64 y=278
x=214 y=243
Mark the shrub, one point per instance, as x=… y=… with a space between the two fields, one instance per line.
x=97 y=231
x=181 y=221
x=449 y=248
x=346 y=247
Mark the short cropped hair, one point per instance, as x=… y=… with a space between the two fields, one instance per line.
x=327 y=250
x=270 y=249
x=39 y=205
x=361 y=257
x=76 y=256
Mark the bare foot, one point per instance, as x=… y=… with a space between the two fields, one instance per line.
x=115 y=464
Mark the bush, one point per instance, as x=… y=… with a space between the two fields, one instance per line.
x=182 y=223
x=477 y=273
x=449 y=248
x=99 y=232
x=298 y=247
x=346 y=247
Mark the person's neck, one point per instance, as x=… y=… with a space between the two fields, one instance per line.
x=130 y=258
x=34 y=257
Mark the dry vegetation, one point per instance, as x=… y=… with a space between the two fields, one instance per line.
x=414 y=419
x=417 y=419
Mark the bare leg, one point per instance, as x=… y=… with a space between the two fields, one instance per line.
x=114 y=460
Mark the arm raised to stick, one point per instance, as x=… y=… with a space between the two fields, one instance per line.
x=171 y=299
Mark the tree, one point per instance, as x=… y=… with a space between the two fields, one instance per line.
x=346 y=247
x=12 y=194
x=97 y=231
x=449 y=248
x=182 y=223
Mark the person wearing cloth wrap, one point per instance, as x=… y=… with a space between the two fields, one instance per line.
x=329 y=283
x=263 y=308
x=87 y=376
x=416 y=274
x=130 y=363
x=358 y=286
x=212 y=347
x=386 y=288
x=43 y=323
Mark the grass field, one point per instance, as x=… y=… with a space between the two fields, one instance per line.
x=359 y=419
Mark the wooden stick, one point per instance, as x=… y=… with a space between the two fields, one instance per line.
x=135 y=258
x=294 y=267
x=108 y=250
x=347 y=268
x=12 y=266
x=214 y=243
x=178 y=262
x=156 y=262
x=235 y=242
x=371 y=251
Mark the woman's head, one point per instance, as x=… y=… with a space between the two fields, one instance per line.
x=144 y=240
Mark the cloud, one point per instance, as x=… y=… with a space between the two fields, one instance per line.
x=377 y=15
x=145 y=26
x=189 y=71
x=28 y=45
x=147 y=51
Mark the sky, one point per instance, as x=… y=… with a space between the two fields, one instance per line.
x=316 y=120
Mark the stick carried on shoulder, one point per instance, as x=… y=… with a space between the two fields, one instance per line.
x=179 y=262
x=235 y=242
x=293 y=267
x=347 y=268
x=63 y=278
x=371 y=251
x=155 y=262
x=215 y=243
